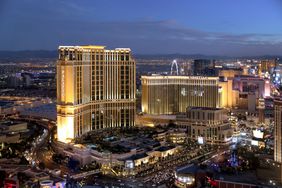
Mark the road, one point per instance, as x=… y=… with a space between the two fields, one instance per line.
x=159 y=174
x=40 y=152
x=165 y=175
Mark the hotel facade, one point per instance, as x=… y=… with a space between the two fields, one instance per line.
x=173 y=94
x=95 y=90
x=278 y=130
x=209 y=124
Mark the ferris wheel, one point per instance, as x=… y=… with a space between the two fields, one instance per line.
x=174 y=64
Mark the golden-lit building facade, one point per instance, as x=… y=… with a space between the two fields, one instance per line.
x=173 y=94
x=229 y=97
x=261 y=109
x=95 y=90
x=278 y=130
x=229 y=73
x=209 y=124
x=267 y=65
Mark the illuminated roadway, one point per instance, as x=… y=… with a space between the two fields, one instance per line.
x=37 y=153
x=85 y=174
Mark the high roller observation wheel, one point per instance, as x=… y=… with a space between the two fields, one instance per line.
x=174 y=63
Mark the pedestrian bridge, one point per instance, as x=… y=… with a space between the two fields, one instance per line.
x=84 y=174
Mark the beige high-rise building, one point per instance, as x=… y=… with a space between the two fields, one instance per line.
x=95 y=90
x=173 y=94
x=229 y=97
x=267 y=65
x=261 y=109
x=230 y=73
x=209 y=123
x=278 y=130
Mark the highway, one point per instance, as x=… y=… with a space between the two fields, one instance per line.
x=39 y=152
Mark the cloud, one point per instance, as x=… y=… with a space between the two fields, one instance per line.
x=165 y=29
x=168 y=36
x=143 y=36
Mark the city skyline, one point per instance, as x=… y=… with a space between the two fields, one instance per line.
x=218 y=28
x=144 y=93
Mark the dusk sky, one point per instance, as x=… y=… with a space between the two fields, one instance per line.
x=211 y=27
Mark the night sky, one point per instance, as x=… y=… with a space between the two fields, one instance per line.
x=210 y=27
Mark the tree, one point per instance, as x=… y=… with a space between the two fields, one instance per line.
x=73 y=164
x=41 y=165
x=23 y=161
x=2 y=177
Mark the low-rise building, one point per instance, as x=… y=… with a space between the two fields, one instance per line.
x=150 y=157
x=10 y=131
x=13 y=126
x=173 y=136
x=177 y=137
x=10 y=138
x=188 y=176
x=6 y=107
x=137 y=160
x=163 y=152
x=209 y=124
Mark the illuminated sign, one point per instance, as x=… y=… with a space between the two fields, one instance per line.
x=197 y=92
x=61 y=184
x=129 y=164
x=183 y=92
x=200 y=140
x=257 y=133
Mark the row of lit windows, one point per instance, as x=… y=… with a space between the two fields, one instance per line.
x=79 y=56
x=179 y=81
x=202 y=115
x=79 y=85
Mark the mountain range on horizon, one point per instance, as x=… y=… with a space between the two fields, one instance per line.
x=52 y=54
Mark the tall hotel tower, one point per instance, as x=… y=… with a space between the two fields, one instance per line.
x=278 y=130
x=95 y=90
x=173 y=94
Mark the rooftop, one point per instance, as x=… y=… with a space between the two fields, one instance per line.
x=82 y=47
x=137 y=156
x=164 y=148
x=90 y=47
x=179 y=77
x=43 y=111
x=6 y=104
x=248 y=77
x=10 y=123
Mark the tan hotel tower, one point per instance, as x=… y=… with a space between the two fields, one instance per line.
x=95 y=90
x=278 y=130
x=173 y=94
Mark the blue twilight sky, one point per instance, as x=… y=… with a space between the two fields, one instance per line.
x=211 y=27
